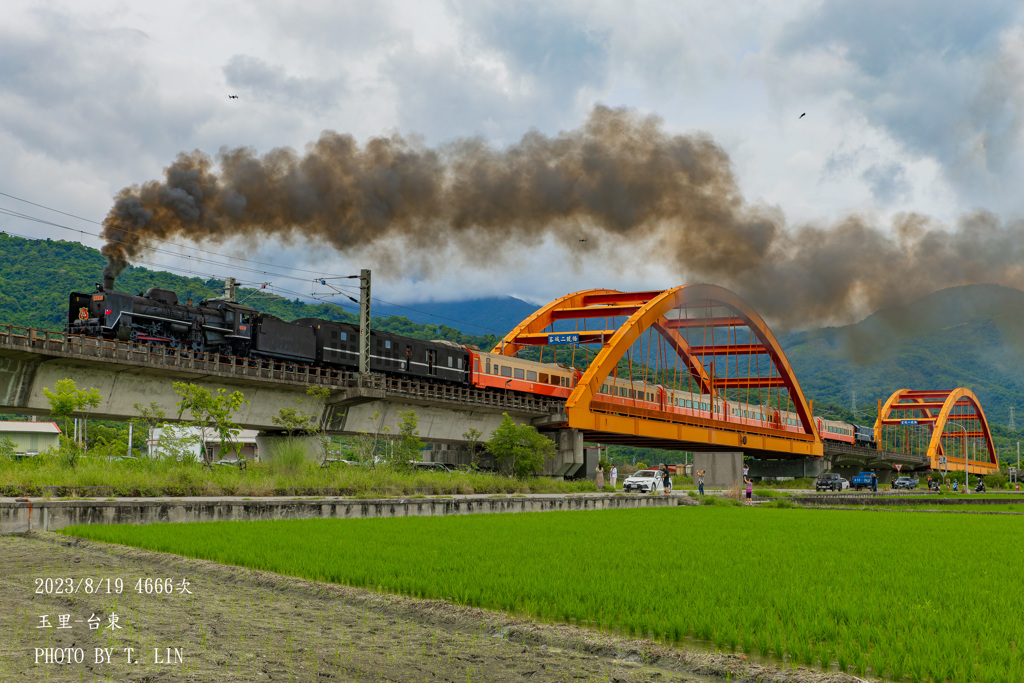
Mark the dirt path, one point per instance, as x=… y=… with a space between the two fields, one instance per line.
x=244 y=625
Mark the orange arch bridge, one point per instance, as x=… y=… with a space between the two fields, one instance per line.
x=689 y=368
x=941 y=423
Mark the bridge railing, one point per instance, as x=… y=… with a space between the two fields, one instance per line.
x=30 y=339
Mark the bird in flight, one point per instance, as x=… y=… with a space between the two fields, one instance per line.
x=232 y=97
x=583 y=240
x=801 y=116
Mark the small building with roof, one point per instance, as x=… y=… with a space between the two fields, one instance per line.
x=30 y=438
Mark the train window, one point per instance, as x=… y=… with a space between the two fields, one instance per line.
x=531 y=375
x=545 y=378
x=343 y=336
x=520 y=373
x=461 y=361
x=451 y=361
x=334 y=334
x=506 y=371
x=487 y=366
x=604 y=389
x=387 y=343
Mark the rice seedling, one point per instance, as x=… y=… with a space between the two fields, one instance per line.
x=768 y=580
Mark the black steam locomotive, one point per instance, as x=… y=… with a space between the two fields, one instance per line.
x=226 y=327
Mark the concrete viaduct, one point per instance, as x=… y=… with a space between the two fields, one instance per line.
x=125 y=374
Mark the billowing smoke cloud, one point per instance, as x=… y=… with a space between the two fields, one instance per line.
x=620 y=177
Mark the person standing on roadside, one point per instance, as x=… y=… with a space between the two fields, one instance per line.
x=750 y=490
x=700 y=481
x=614 y=474
x=665 y=479
x=874 y=482
x=600 y=477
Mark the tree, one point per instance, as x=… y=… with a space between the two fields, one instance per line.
x=65 y=400
x=176 y=442
x=211 y=412
x=520 y=448
x=151 y=416
x=367 y=444
x=472 y=436
x=7 y=448
x=408 y=445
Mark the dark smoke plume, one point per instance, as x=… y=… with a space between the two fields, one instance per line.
x=620 y=177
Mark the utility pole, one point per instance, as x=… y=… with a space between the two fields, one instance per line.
x=229 y=288
x=364 y=323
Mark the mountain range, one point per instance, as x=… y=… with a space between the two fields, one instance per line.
x=971 y=336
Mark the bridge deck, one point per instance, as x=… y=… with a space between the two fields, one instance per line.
x=23 y=342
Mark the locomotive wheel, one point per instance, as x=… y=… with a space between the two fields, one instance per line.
x=123 y=333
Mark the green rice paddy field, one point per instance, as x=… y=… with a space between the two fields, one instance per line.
x=931 y=597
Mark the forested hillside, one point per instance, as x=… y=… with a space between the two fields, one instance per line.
x=36 y=277
x=963 y=336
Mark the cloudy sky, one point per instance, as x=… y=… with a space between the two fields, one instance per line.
x=911 y=107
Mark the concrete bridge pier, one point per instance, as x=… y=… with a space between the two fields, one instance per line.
x=721 y=470
x=568 y=459
x=795 y=468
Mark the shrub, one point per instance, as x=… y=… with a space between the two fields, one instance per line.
x=288 y=455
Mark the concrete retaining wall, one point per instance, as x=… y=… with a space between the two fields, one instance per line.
x=50 y=515
x=904 y=499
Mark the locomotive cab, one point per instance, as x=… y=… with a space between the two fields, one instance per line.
x=236 y=328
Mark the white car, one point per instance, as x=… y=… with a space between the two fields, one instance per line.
x=644 y=481
x=845 y=482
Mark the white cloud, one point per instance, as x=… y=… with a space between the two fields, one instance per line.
x=911 y=106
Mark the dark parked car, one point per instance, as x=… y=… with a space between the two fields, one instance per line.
x=828 y=481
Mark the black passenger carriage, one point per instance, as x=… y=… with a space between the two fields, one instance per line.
x=390 y=354
x=337 y=344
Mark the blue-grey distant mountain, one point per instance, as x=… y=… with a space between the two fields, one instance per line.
x=497 y=315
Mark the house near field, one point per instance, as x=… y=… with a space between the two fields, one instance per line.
x=246 y=437
x=30 y=438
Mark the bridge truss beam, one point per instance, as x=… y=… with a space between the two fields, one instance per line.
x=950 y=418
x=703 y=332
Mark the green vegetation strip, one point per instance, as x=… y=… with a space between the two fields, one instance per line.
x=169 y=477
x=894 y=595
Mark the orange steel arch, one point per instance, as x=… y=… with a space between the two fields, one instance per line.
x=600 y=303
x=647 y=310
x=934 y=409
x=546 y=315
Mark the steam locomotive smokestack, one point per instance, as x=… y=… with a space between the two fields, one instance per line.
x=108 y=278
x=620 y=181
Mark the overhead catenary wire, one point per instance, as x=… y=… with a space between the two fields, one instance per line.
x=202 y=260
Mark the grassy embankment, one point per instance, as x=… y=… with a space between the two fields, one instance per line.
x=813 y=588
x=165 y=477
